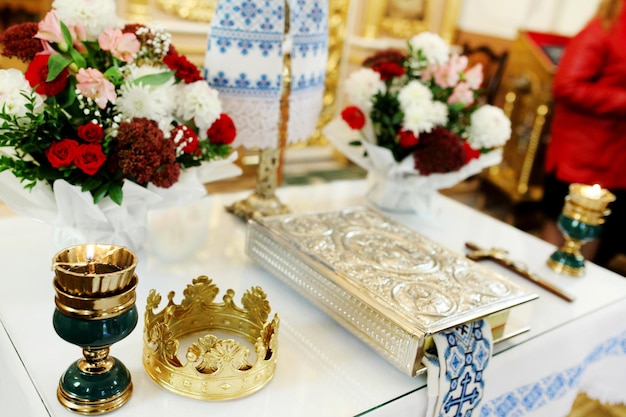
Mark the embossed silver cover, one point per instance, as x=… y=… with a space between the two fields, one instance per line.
x=386 y=283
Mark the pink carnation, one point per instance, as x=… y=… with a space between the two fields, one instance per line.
x=50 y=32
x=123 y=46
x=94 y=85
x=50 y=28
x=474 y=76
x=448 y=75
x=462 y=94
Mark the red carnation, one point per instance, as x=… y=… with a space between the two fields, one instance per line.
x=388 y=63
x=61 y=153
x=389 y=70
x=37 y=74
x=407 y=139
x=222 y=131
x=184 y=137
x=90 y=132
x=439 y=151
x=19 y=41
x=89 y=158
x=185 y=70
x=354 y=117
x=470 y=153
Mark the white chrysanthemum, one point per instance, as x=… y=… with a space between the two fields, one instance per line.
x=423 y=116
x=433 y=47
x=412 y=93
x=200 y=102
x=94 y=15
x=12 y=87
x=156 y=102
x=361 y=87
x=489 y=128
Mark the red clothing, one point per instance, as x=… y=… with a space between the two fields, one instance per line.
x=588 y=136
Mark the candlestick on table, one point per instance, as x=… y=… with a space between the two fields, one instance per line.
x=95 y=308
x=580 y=221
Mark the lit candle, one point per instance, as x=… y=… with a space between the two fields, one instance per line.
x=91 y=266
x=593 y=192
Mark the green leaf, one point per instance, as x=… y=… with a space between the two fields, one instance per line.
x=99 y=194
x=56 y=64
x=114 y=75
x=457 y=107
x=78 y=58
x=91 y=183
x=355 y=143
x=155 y=79
x=397 y=118
x=67 y=36
x=116 y=193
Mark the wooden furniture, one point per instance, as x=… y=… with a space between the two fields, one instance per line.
x=525 y=96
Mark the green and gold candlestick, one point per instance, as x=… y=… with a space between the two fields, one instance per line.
x=95 y=308
x=580 y=221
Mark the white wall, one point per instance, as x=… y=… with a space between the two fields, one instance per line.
x=503 y=18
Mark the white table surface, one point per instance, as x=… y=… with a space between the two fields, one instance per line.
x=322 y=369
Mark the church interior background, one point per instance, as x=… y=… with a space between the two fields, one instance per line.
x=502 y=35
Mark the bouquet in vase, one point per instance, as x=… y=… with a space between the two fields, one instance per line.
x=106 y=122
x=415 y=124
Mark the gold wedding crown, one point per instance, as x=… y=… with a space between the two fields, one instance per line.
x=215 y=369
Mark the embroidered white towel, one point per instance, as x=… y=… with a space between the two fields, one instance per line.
x=244 y=62
x=456 y=368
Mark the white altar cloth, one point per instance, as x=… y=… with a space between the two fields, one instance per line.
x=322 y=370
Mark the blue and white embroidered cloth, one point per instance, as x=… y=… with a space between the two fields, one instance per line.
x=456 y=368
x=244 y=62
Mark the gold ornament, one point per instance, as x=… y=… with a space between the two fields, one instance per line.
x=215 y=369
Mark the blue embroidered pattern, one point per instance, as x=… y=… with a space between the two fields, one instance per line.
x=244 y=27
x=310 y=40
x=244 y=62
x=466 y=357
x=532 y=397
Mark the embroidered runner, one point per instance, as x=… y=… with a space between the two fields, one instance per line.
x=244 y=62
x=455 y=369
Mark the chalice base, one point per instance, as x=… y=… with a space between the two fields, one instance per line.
x=572 y=264
x=258 y=205
x=95 y=393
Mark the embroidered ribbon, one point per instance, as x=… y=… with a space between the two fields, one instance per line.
x=244 y=62
x=455 y=369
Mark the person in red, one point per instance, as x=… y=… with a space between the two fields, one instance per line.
x=588 y=134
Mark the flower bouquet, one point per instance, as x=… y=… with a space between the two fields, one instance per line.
x=414 y=123
x=107 y=122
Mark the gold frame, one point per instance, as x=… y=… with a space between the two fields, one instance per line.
x=439 y=16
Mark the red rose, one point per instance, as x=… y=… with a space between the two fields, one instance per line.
x=37 y=74
x=222 y=131
x=184 y=69
x=89 y=158
x=90 y=132
x=354 y=117
x=61 y=153
x=470 y=153
x=407 y=139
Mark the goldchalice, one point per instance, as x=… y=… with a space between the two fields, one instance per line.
x=95 y=308
x=580 y=221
